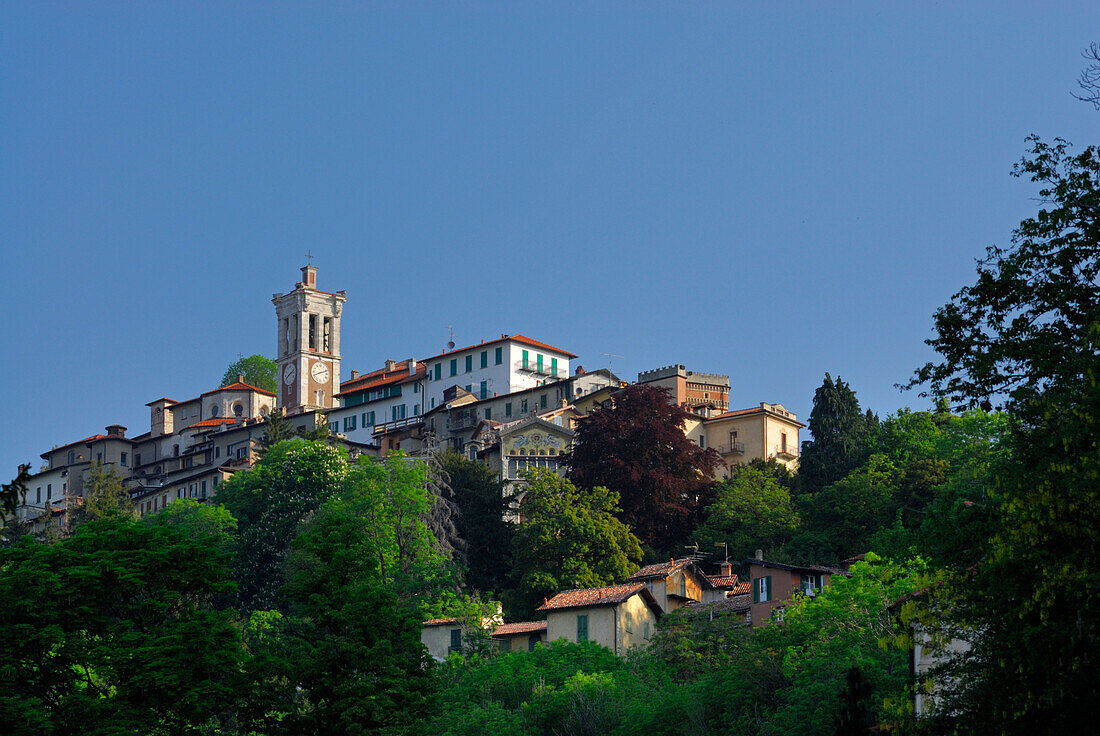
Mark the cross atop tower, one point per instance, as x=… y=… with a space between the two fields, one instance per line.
x=309 y=258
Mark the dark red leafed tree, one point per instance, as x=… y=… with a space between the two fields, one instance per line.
x=637 y=448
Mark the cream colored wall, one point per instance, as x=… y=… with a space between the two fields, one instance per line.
x=437 y=639
x=520 y=642
x=601 y=625
x=774 y=429
x=640 y=613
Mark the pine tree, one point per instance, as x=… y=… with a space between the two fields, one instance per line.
x=840 y=433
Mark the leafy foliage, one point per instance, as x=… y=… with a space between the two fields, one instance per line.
x=840 y=432
x=481 y=508
x=638 y=449
x=257 y=370
x=752 y=509
x=1026 y=334
x=570 y=539
x=104 y=496
x=112 y=631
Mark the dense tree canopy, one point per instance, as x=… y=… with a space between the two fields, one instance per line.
x=840 y=433
x=258 y=371
x=1026 y=334
x=482 y=507
x=638 y=449
x=113 y=631
x=570 y=539
x=750 y=510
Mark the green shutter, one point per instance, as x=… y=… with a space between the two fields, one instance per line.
x=499 y=356
x=554 y=367
x=484 y=358
x=755 y=590
x=525 y=359
x=469 y=363
x=582 y=628
x=768 y=587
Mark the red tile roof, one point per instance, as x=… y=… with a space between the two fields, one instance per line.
x=440 y=621
x=162 y=398
x=750 y=412
x=239 y=386
x=213 y=422
x=377 y=379
x=660 y=570
x=520 y=627
x=93 y=438
x=608 y=596
x=718 y=581
x=517 y=338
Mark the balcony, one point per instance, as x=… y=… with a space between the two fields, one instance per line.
x=461 y=420
x=787 y=453
x=397 y=424
x=733 y=448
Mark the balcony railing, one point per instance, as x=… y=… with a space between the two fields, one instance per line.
x=787 y=453
x=733 y=448
x=397 y=424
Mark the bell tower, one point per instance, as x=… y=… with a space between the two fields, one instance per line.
x=308 y=345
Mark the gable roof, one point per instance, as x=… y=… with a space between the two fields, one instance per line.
x=756 y=410
x=611 y=595
x=520 y=627
x=440 y=621
x=239 y=386
x=214 y=422
x=797 y=568
x=505 y=338
x=382 y=377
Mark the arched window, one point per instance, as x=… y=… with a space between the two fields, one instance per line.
x=238 y=409
x=214 y=410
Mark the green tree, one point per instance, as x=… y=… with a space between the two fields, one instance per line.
x=269 y=502
x=638 y=449
x=1027 y=334
x=840 y=436
x=104 y=495
x=113 y=630
x=751 y=509
x=481 y=505
x=570 y=539
x=256 y=370
x=347 y=659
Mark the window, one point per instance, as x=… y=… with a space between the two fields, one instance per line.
x=484 y=389
x=488 y=412
x=99 y=457
x=469 y=363
x=762 y=589
x=349 y=423
x=702 y=442
x=238 y=409
x=542 y=401
x=683 y=585
x=72 y=457
x=498 y=357
x=327 y=336
x=416 y=410
x=438 y=371
x=484 y=358
x=554 y=367
x=505 y=646
x=525 y=359
x=538 y=362
x=523 y=406
x=582 y=628
x=811 y=584
x=628 y=623
x=508 y=409
x=433 y=402
x=783 y=442
x=137 y=458
x=454 y=366
x=469 y=388
x=312 y=332
x=214 y=411
x=38 y=495
x=242 y=452
x=125 y=457
x=49 y=491
x=456 y=641
x=203 y=490
x=645 y=629
x=532 y=641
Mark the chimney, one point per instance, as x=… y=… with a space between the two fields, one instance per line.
x=390 y=365
x=116 y=430
x=760 y=554
x=240 y=378
x=412 y=365
x=354 y=375
x=726 y=569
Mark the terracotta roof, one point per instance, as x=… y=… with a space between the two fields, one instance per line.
x=660 y=570
x=440 y=621
x=584 y=597
x=521 y=627
x=162 y=398
x=515 y=338
x=239 y=386
x=93 y=438
x=213 y=422
x=749 y=412
x=380 y=378
x=719 y=581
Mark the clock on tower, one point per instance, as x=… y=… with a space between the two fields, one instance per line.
x=308 y=352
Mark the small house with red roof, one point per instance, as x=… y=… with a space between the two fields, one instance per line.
x=522 y=636
x=774 y=584
x=674 y=584
x=617 y=616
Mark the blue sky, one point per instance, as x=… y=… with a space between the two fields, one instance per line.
x=768 y=190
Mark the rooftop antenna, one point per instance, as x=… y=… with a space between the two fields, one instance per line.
x=451 y=342
x=609 y=357
x=725 y=548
